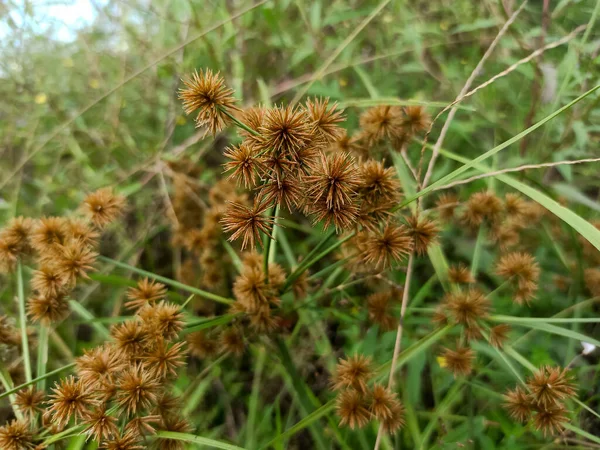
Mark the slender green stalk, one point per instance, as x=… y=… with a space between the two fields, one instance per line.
x=35 y=380
x=272 y=253
x=7 y=384
x=168 y=281
x=239 y=124
x=82 y=312
x=309 y=262
x=477 y=251
x=42 y=359
x=269 y=242
x=23 y=322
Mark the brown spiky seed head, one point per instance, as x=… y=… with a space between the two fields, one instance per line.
x=384 y=247
x=74 y=260
x=29 y=401
x=99 y=366
x=47 y=233
x=202 y=345
x=550 y=420
x=379 y=306
x=246 y=222
x=103 y=206
x=518 y=404
x=381 y=401
x=459 y=361
x=446 y=204
x=460 y=274
x=378 y=184
x=47 y=309
x=17 y=435
x=81 y=230
x=137 y=389
x=100 y=425
x=482 y=206
x=423 y=233
x=353 y=372
x=129 y=440
x=285 y=130
x=325 y=119
x=383 y=122
x=467 y=307
x=206 y=92
x=70 y=398
x=147 y=292
x=550 y=386
x=415 y=119
x=334 y=179
x=49 y=280
x=499 y=335
x=244 y=163
x=131 y=338
x=352 y=408
x=164 y=359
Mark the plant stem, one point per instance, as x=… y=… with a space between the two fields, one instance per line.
x=23 y=322
x=175 y=284
x=477 y=251
x=47 y=375
x=42 y=359
x=239 y=124
x=269 y=244
x=398 y=344
x=6 y=384
x=309 y=262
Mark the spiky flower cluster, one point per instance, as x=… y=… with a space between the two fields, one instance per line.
x=542 y=400
x=360 y=401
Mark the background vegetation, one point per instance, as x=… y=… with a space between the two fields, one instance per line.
x=102 y=110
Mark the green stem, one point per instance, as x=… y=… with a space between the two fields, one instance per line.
x=477 y=251
x=82 y=312
x=238 y=123
x=23 y=322
x=309 y=262
x=272 y=253
x=6 y=384
x=42 y=359
x=35 y=380
x=173 y=283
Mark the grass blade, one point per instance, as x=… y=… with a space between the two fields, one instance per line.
x=185 y=437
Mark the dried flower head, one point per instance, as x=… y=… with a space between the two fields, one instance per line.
x=499 y=335
x=138 y=389
x=550 y=385
x=551 y=419
x=446 y=204
x=201 y=345
x=285 y=130
x=131 y=338
x=49 y=280
x=9 y=254
x=164 y=359
x=518 y=404
x=173 y=424
x=164 y=319
x=423 y=233
x=523 y=271
x=352 y=408
x=103 y=206
x=147 y=292
x=384 y=247
x=381 y=401
x=334 y=179
x=19 y=230
x=246 y=222
x=130 y=440
x=251 y=289
x=514 y=205
x=284 y=192
x=48 y=309
x=396 y=420
x=378 y=184
x=244 y=164
x=99 y=367
x=17 y=435
x=81 y=230
x=467 y=307
x=74 y=260
x=29 y=401
x=460 y=274
x=353 y=372
x=383 y=122
x=100 y=425
x=206 y=92
x=459 y=361
x=47 y=233
x=232 y=340
x=415 y=120
x=70 y=398
x=482 y=206
x=379 y=306
x=253 y=118
x=592 y=281
x=324 y=119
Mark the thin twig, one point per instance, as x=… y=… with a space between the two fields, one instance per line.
x=398 y=344
x=515 y=169
x=461 y=96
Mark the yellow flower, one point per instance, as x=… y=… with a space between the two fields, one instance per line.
x=41 y=98
x=442 y=361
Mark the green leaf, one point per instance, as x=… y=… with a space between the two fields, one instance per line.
x=582 y=226
x=472 y=163
x=369 y=102
x=208 y=323
x=558 y=330
x=211 y=443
